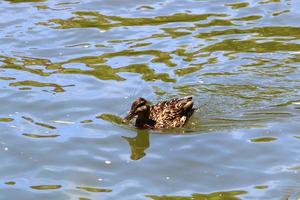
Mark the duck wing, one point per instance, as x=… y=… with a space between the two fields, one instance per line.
x=172 y=113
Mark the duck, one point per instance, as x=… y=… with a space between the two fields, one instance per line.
x=172 y=113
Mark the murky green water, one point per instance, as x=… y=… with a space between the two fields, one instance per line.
x=70 y=70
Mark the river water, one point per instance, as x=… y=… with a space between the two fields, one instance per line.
x=69 y=71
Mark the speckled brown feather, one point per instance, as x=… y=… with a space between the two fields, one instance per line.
x=172 y=113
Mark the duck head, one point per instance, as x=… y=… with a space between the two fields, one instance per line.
x=141 y=109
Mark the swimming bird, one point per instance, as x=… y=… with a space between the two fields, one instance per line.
x=163 y=115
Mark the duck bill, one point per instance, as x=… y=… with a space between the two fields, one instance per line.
x=130 y=115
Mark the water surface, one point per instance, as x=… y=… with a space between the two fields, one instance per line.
x=70 y=70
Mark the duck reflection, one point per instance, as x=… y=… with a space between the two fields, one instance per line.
x=138 y=144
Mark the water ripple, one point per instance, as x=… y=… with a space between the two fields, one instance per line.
x=71 y=69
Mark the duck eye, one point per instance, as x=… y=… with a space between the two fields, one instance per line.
x=135 y=105
x=141 y=104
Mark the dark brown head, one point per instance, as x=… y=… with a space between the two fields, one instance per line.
x=139 y=108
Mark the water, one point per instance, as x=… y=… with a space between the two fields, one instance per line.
x=70 y=70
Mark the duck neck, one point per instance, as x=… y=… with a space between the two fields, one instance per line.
x=143 y=119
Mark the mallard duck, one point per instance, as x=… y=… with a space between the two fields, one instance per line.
x=163 y=115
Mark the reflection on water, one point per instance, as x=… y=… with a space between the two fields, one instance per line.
x=57 y=88
x=46 y=187
x=263 y=139
x=231 y=195
x=38 y=123
x=138 y=144
x=70 y=70
x=6 y=119
x=23 y=1
x=10 y=183
x=40 y=136
x=89 y=189
x=97 y=20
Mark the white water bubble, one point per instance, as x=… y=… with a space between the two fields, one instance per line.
x=107 y=162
